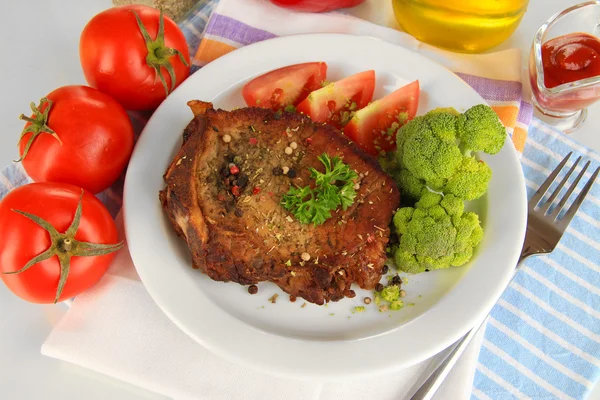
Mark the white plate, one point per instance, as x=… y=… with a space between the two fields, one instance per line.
x=317 y=342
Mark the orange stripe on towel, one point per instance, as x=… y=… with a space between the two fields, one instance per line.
x=507 y=114
x=210 y=50
x=519 y=136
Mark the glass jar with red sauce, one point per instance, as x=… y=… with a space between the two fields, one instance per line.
x=564 y=66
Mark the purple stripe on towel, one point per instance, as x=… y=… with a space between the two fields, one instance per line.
x=525 y=113
x=494 y=89
x=232 y=29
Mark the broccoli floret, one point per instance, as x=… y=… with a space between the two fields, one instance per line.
x=434 y=151
x=435 y=234
x=396 y=305
x=390 y=293
x=470 y=181
x=480 y=129
x=410 y=186
x=427 y=148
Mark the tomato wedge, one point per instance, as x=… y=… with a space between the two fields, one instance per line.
x=336 y=102
x=374 y=127
x=285 y=86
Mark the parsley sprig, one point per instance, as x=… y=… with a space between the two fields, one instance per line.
x=333 y=188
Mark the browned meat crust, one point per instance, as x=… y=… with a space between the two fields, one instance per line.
x=250 y=238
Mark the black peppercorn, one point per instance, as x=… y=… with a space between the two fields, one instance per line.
x=238 y=212
x=378 y=287
x=252 y=289
x=277 y=171
x=292 y=173
x=242 y=180
x=396 y=280
x=224 y=172
x=384 y=270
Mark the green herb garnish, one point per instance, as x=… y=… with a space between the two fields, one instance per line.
x=290 y=108
x=333 y=188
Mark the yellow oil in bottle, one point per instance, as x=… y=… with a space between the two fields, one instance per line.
x=460 y=25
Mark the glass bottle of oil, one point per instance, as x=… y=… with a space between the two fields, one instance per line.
x=469 y=26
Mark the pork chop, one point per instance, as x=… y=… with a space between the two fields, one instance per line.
x=223 y=193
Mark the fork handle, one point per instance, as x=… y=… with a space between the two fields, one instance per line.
x=433 y=382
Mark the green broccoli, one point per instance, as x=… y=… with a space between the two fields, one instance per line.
x=479 y=129
x=434 y=151
x=470 y=181
x=436 y=233
x=390 y=293
x=427 y=148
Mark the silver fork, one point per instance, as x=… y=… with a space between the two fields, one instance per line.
x=545 y=227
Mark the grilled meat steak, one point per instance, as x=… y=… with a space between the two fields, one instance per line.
x=223 y=193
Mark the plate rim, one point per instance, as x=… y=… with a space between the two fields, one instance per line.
x=519 y=216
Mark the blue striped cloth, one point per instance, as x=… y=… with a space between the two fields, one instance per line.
x=543 y=337
x=542 y=340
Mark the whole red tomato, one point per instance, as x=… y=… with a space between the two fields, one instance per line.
x=316 y=5
x=72 y=251
x=134 y=55
x=77 y=135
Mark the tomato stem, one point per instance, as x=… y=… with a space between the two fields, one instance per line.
x=159 y=55
x=65 y=246
x=38 y=125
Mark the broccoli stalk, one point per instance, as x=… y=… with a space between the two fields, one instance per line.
x=435 y=234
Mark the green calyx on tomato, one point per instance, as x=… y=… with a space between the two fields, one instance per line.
x=39 y=125
x=65 y=246
x=158 y=53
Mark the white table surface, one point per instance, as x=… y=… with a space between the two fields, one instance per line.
x=39 y=43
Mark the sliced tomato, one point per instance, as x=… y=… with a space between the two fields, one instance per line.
x=285 y=86
x=336 y=102
x=374 y=127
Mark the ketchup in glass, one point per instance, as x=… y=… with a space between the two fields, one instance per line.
x=570 y=58
x=566 y=59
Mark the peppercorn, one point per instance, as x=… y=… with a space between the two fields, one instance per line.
x=292 y=298
x=277 y=171
x=256 y=190
x=234 y=170
x=224 y=172
x=396 y=280
x=384 y=270
x=238 y=212
x=252 y=289
x=253 y=141
x=242 y=180
x=236 y=191
x=230 y=158
x=291 y=173
x=367 y=300
x=378 y=287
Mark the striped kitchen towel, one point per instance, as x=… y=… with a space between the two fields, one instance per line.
x=542 y=339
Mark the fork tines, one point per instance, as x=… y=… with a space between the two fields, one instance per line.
x=544 y=206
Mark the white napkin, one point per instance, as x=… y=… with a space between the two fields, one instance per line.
x=116 y=329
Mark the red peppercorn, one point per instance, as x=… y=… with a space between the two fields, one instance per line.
x=221 y=197
x=308 y=141
x=234 y=170
x=253 y=140
x=256 y=190
x=236 y=191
